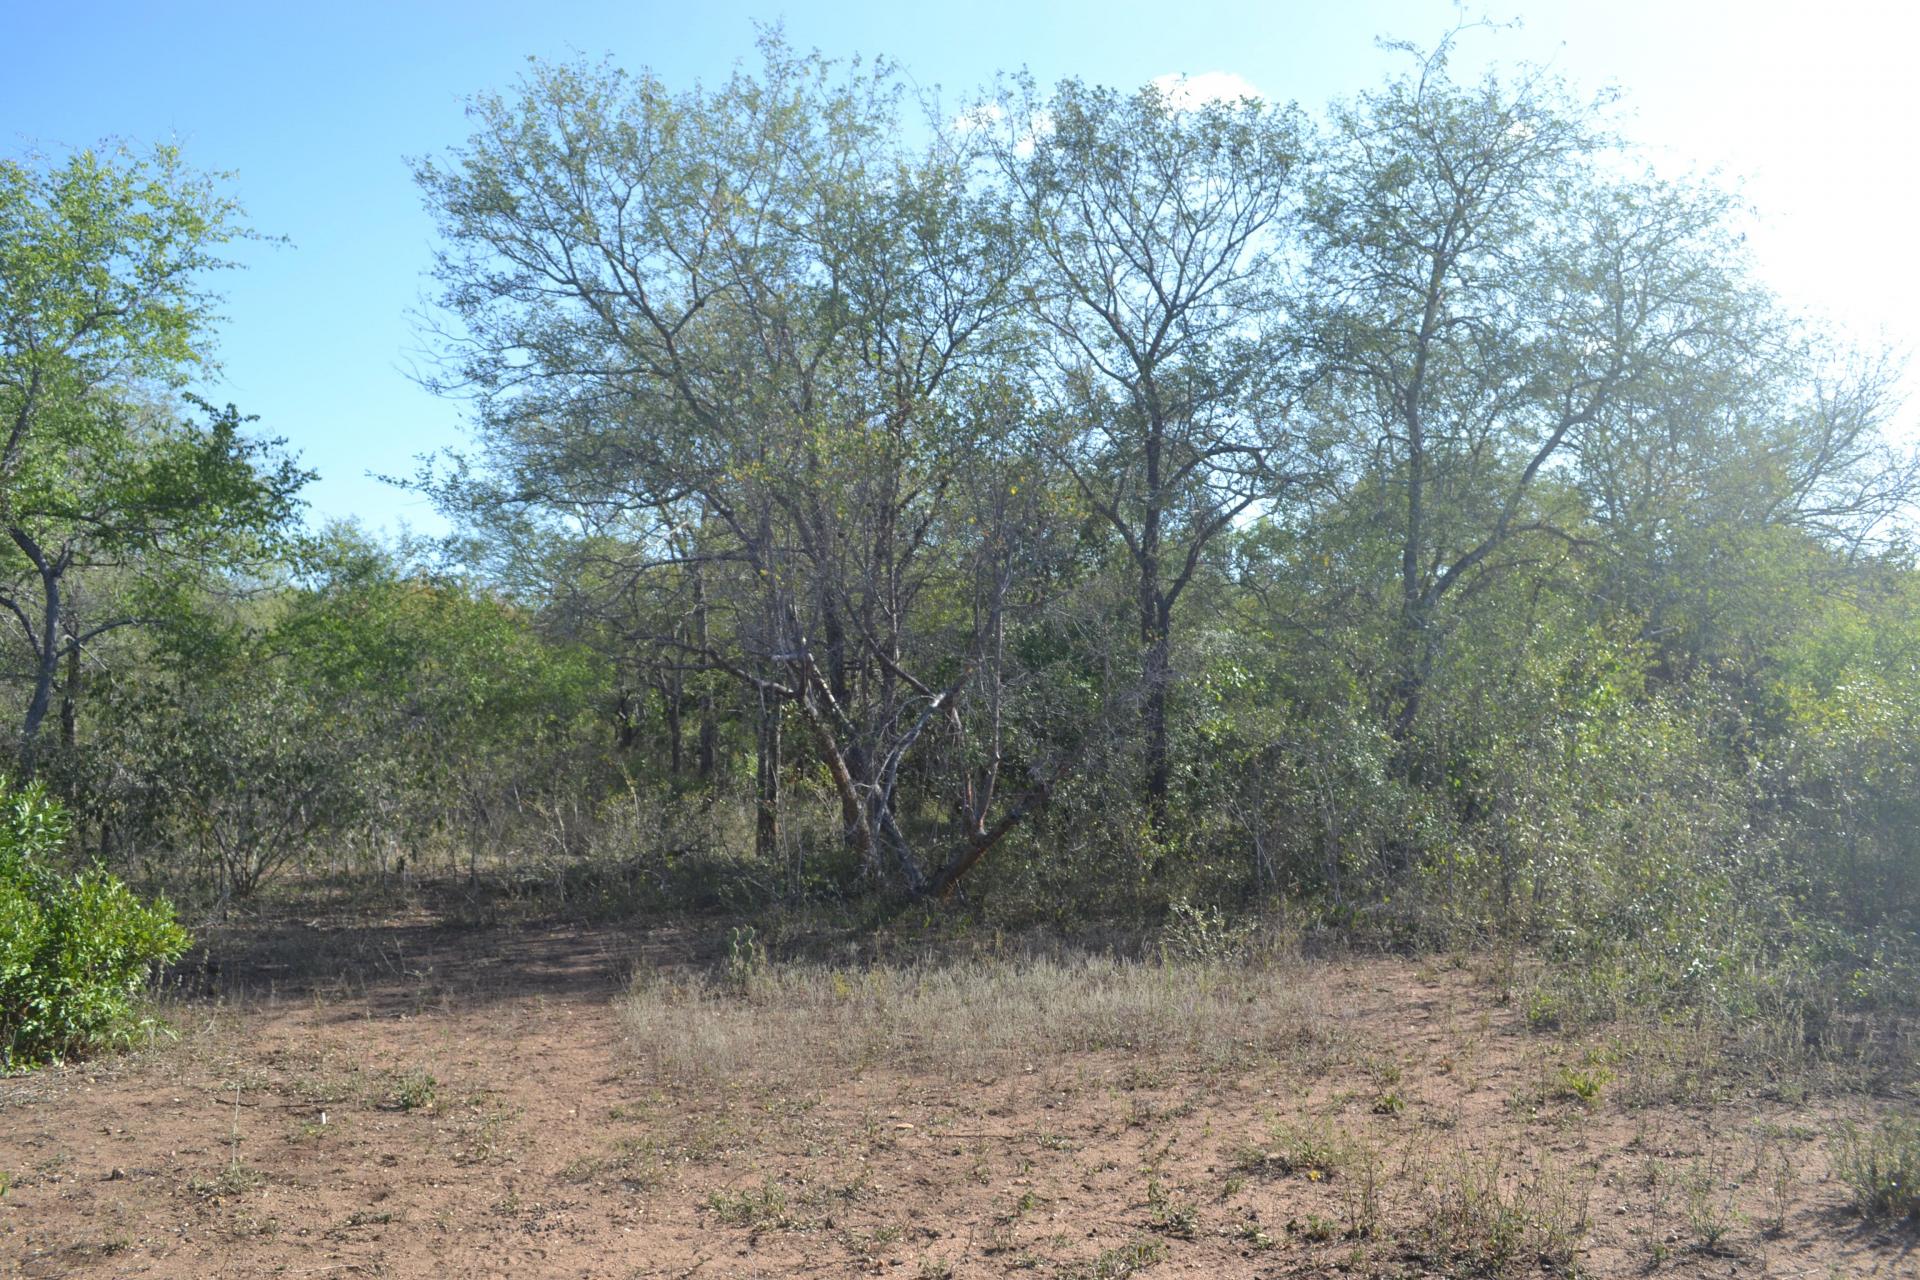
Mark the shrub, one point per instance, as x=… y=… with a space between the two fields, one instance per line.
x=1881 y=1167
x=74 y=947
x=1203 y=935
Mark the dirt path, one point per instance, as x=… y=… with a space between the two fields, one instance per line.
x=422 y=1102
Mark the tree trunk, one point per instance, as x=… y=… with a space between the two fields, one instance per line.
x=70 y=700
x=1159 y=767
x=47 y=660
x=626 y=726
x=708 y=751
x=1415 y=665
x=766 y=831
x=856 y=827
x=1155 y=610
x=1416 y=612
x=672 y=696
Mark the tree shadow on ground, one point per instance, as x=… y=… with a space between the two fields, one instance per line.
x=419 y=944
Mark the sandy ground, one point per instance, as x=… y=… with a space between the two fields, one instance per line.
x=405 y=1099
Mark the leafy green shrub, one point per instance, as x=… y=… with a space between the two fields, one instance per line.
x=74 y=947
x=417 y=1090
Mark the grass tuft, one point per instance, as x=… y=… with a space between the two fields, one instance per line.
x=1480 y=1220
x=1881 y=1168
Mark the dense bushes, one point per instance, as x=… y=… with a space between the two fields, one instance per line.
x=75 y=948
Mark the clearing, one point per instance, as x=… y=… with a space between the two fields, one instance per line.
x=413 y=1096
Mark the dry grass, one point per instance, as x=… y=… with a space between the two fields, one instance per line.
x=1070 y=1117
x=966 y=1018
x=1478 y=1217
x=1881 y=1167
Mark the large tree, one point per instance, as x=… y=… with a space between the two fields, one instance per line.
x=747 y=344
x=1492 y=287
x=103 y=265
x=1160 y=228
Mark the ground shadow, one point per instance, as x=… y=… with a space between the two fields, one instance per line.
x=421 y=943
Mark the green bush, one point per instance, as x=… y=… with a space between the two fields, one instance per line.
x=74 y=947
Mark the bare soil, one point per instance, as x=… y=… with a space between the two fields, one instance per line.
x=408 y=1098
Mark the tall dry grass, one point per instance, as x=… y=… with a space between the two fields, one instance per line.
x=967 y=1018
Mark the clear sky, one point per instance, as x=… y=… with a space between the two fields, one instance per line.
x=316 y=107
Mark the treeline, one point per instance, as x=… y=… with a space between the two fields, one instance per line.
x=1417 y=513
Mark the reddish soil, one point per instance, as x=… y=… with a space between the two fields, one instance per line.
x=404 y=1099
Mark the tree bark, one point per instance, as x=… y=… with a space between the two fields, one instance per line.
x=47 y=659
x=766 y=832
x=1157 y=675
x=70 y=699
x=1155 y=617
x=707 y=753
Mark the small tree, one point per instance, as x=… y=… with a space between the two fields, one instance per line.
x=146 y=500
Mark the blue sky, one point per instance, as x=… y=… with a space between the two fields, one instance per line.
x=315 y=109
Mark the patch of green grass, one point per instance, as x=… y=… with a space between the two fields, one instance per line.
x=1584 y=1084
x=416 y=1090
x=1314 y=1228
x=963 y=1018
x=1250 y=1233
x=1474 y=1223
x=1711 y=1218
x=1178 y=1219
x=1027 y=1203
x=1119 y=1262
x=868 y=1244
x=634 y=1163
x=1313 y=1154
x=1386 y=1072
x=755 y=1207
x=483 y=1132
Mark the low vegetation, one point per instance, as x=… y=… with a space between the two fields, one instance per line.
x=1880 y=1165
x=76 y=949
x=964 y=1018
x=808 y=1091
